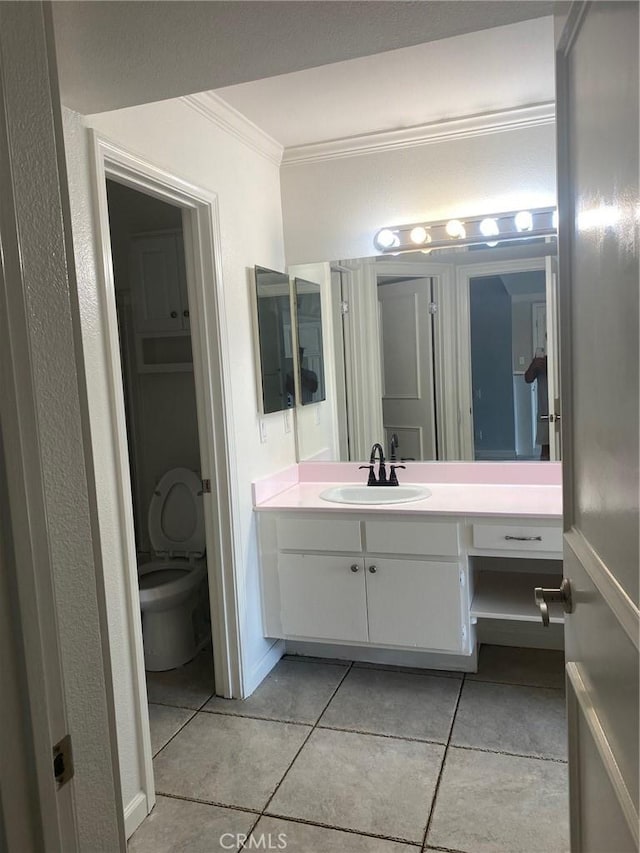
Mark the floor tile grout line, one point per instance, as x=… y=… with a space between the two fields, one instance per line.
x=474 y=679
x=186 y=722
x=381 y=734
x=243 y=846
x=305 y=741
x=360 y=832
x=509 y=754
x=444 y=760
x=174 y=735
x=217 y=803
x=254 y=717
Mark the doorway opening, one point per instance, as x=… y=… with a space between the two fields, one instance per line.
x=198 y=341
x=508 y=347
x=156 y=357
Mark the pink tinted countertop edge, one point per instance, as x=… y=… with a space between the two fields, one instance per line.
x=458 y=488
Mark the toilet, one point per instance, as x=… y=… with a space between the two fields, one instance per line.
x=173 y=585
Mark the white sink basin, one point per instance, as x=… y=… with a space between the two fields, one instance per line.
x=356 y=494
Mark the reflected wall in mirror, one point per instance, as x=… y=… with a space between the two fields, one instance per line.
x=275 y=345
x=310 y=346
x=453 y=353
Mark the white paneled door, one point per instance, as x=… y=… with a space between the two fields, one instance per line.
x=408 y=406
x=597 y=64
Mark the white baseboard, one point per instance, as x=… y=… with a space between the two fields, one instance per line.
x=263 y=667
x=135 y=812
x=393 y=657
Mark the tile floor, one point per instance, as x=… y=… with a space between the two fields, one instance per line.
x=330 y=756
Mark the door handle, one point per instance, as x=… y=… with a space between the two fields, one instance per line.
x=354 y=567
x=545 y=597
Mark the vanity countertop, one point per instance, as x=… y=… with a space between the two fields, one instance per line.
x=514 y=498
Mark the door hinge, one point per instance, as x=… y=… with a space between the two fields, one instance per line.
x=344 y=307
x=206 y=487
x=433 y=308
x=462 y=578
x=63 y=761
x=464 y=635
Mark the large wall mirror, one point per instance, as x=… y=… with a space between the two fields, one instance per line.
x=275 y=340
x=452 y=354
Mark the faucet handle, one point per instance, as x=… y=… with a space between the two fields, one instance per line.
x=372 y=477
x=393 y=478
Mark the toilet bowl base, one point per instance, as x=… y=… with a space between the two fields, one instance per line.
x=169 y=637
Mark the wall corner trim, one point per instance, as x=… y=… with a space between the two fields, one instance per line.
x=464 y=127
x=228 y=119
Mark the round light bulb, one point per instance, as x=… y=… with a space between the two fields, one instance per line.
x=455 y=228
x=419 y=235
x=489 y=228
x=523 y=221
x=386 y=239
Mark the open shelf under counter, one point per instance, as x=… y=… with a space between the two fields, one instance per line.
x=510 y=597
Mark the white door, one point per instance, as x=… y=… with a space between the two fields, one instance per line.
x=408 y=405
x=598 y=203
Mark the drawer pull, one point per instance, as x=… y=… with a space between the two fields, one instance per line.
x=373 y=569
x=354 y=567
x=523 y=538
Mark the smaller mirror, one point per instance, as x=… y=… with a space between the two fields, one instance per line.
x=273 y=300
x=310 y=351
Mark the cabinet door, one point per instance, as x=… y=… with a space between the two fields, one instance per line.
x=322 y=597
x=414 y=603
x=155 y=282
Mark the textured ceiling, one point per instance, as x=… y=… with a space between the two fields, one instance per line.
x=479 y=72
x=113 y=55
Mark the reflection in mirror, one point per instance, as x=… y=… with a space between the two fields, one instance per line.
x=507 y=327
x=310 y=349
x=275 y=340
x=453 y=353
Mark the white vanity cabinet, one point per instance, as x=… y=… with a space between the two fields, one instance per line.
x=365 y=580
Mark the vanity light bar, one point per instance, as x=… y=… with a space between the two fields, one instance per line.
x=469 y=231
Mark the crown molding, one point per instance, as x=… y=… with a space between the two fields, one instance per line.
x=466 y=127
x=228 y=119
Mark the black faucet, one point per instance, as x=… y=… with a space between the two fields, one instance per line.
x=394 y=445
x=381 y=479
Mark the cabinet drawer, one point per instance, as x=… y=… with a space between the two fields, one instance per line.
x=509 y=537
x=428 y=538
x=310 y=534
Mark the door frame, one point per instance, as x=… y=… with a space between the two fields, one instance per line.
x=464 y=274
x=211 y=360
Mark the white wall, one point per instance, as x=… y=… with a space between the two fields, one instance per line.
x=332 y=208
x=174 y=137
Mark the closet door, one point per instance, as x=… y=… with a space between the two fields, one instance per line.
x=597 y=108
